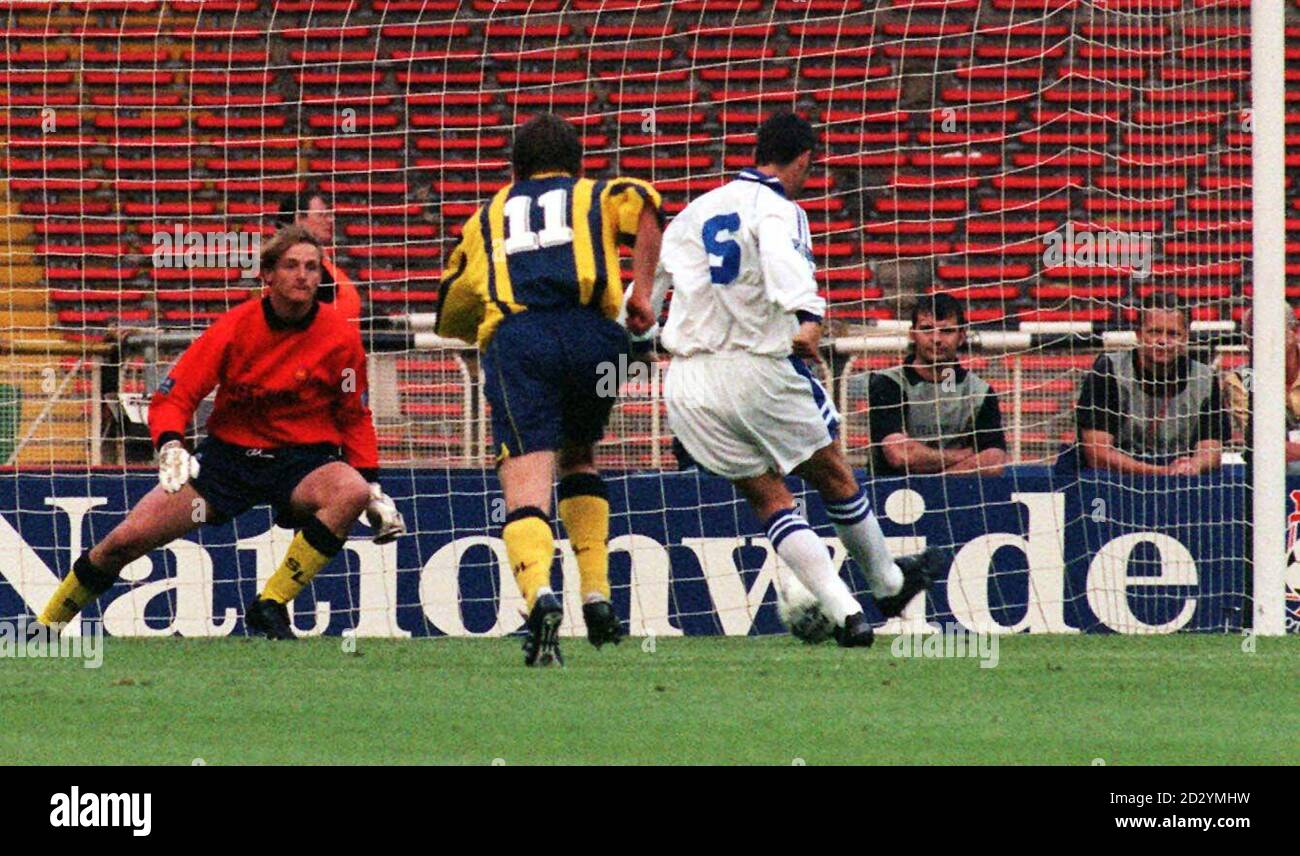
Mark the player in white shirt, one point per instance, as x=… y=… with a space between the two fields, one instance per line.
x=745 y=314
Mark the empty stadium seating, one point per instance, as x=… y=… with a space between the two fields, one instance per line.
x=955 y=141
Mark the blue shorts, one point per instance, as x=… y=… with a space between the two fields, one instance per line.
x=233 y=479
x=552 y=377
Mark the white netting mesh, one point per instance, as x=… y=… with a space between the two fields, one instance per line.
x=1050 y=163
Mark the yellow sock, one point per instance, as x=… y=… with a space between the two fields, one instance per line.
x=311 y=550
x=67 y=601
x=531 y=547
x=84 y=583
x=586 y=519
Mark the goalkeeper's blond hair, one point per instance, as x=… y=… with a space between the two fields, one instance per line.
x=289 y=236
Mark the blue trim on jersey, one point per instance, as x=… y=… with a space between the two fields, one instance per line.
x=595 y=226
x=486 y=228
x=750 y=173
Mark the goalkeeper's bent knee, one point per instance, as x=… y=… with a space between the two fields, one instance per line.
x=531 y=547
x=584 y=511
x=84 y=583
x=311 y=550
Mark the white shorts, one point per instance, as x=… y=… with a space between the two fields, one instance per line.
x=740 y=415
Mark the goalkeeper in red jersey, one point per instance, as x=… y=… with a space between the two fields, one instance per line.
x=290 y=428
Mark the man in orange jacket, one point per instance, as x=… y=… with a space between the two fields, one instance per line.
x=312 y=210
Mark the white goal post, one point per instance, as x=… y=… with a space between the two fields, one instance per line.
x=1268 y=191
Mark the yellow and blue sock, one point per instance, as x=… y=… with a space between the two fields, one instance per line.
x=531 y=548
x=584 y=511
x=311 y=550
x=84 y=583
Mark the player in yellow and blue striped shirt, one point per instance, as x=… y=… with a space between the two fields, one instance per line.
x=535 y=283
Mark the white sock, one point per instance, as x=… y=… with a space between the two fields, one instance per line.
x=858 y=528
x=801 y=549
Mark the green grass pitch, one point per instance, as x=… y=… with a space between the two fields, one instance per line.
x=1184 y=699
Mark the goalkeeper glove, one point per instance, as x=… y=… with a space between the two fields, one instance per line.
x=383 y=516
x=176 y=466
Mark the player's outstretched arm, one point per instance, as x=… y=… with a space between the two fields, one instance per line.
x=173 y=404
x=641 y=314
x=174 y=401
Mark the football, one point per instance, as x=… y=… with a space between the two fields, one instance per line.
x=800 y=612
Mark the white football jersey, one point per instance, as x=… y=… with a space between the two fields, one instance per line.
x=739 y=261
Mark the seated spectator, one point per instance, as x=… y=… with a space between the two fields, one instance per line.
x=930 y=414
x=312 y=210
x=1238 y=389
x=1153 y=410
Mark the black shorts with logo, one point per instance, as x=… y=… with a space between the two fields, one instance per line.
x=234 y=478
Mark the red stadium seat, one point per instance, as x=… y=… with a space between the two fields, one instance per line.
x=91 y=274
x=229 y=78
x=664 y=117
x=147 y=166
x=101 y=317
x=390 y=277
x=214 y=5
x=443 y=32
x=80 y=250
x=44 y=79
x=96 y=295
x=116 y=122
x=1088 y=291
x=364 y=187
x=1095 y=315
x=454 y=120
x=999 y=293
x=966 y=272
x=544 y=30
x=224 y=58
x=168 y=209
x=910 y=227
x=894 y=249
x=390 y=230
x=127 y=56
x=402 y=297
x=323 y=35
x=251 y=164
x=395 y=251
x=153 y=99
x=199 y=285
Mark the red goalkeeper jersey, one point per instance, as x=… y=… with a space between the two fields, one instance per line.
x=278 y=384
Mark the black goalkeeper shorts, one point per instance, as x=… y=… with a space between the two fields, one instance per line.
x=234 y=478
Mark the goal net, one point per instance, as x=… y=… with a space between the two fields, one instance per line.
x=1075 y=176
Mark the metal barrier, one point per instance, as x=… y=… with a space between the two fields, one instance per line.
x=88 y=405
